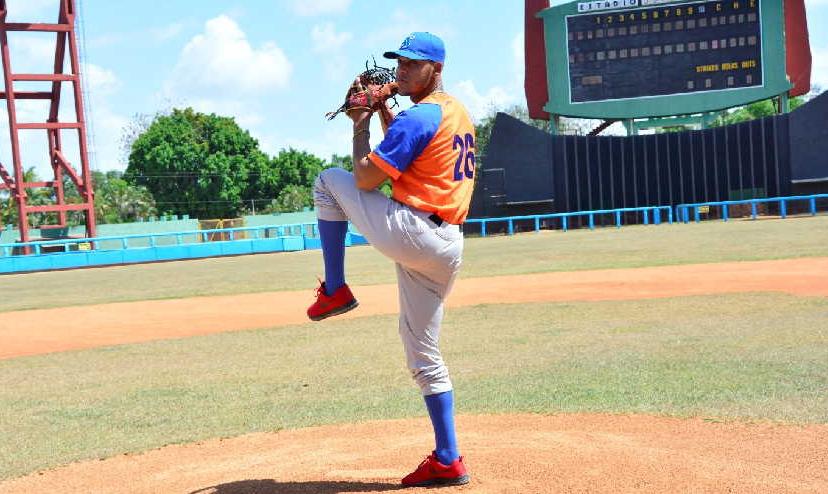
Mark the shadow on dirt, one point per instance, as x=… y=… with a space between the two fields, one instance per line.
x=312 y=487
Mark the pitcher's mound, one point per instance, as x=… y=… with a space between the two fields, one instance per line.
x=504 y=454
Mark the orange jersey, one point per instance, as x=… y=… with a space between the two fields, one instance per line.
x=428 y=151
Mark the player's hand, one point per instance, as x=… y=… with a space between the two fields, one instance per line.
x=369 y=91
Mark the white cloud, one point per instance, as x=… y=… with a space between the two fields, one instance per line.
x=32 y=52
x=106 y=131
x=221 y=59
x=104 y=125
x=329 y=44
x=333 y=141
x=106 y=40
x=34 y=148
x=479 y=104
x=245 y=113
x=167 y=32
x=400 y=24
x=100 y=80
x=320 y=7
x=219 y=71
x=33 y=11
x=518 y=50
x=819 y=68
x=335 y=138
x=518 y=53
x=390 y=34
x=326 y=39
x=814 y=3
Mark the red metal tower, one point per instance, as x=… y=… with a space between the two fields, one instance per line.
x=64 y=30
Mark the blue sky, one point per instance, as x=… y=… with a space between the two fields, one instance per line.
x=276 y=66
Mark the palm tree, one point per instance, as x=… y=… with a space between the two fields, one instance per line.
x=116 y=201
x=34 y=197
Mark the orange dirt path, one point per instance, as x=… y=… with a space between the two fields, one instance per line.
x=34 y=332
x=515 y=454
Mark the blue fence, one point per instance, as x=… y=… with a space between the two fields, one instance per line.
x=163 y=239
x=152 y=247
x=142 y=248
x=684 y=211
x=647 y=215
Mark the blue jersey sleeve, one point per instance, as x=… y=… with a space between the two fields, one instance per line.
x=409 y=133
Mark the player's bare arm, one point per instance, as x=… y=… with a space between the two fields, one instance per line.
x=386 y=116
x=417 y=79
x=367 y=175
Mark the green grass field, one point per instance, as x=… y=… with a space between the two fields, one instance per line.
x=633 y=246
x=753 y=357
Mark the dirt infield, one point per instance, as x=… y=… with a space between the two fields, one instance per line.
x=34 y=332
x=505 y=454
x=518 y=454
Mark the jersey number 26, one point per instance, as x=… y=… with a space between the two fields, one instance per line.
x=464 y=166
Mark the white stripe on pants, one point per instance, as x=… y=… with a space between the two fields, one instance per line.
x=427 y=256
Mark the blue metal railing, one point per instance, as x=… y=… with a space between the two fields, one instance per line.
x=648 y=215
x=167 y=238
x=683 y=210
x=647 y=212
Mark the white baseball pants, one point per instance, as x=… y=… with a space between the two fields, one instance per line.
x=427 y=256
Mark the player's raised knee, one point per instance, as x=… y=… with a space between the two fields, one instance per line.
x=331 y=176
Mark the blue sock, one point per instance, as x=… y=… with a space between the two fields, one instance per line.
x=441 y=410
x=332 y=235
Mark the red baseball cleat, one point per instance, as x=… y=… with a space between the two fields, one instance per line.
x=431 y=472
x=326 y=306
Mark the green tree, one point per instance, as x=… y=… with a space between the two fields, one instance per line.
x=292 y=198
x=264 y=182
x=8 y=211
x=118 y=201
x=673 y=129
x=483 y=129
x=137 y=125
x=342 y=161
x=34 y=197
x=297 y=168
x=290 y=178
x=759 y=109
x=347 y=163
x=200 y=165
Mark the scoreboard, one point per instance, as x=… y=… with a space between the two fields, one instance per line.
x=640 y=58
x=665 y=50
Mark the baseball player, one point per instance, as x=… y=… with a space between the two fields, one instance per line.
x=428 y=154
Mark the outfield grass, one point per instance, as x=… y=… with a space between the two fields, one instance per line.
x=746 y=356
x=632 y=246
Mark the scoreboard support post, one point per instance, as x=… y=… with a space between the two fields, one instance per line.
x=784 y=103
x=554 y=125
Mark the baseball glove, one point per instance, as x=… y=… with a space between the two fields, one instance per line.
x=369 y=91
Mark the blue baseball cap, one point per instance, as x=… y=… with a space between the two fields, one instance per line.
x=420 y=46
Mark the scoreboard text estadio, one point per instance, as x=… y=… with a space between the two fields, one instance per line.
x=665 y=49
